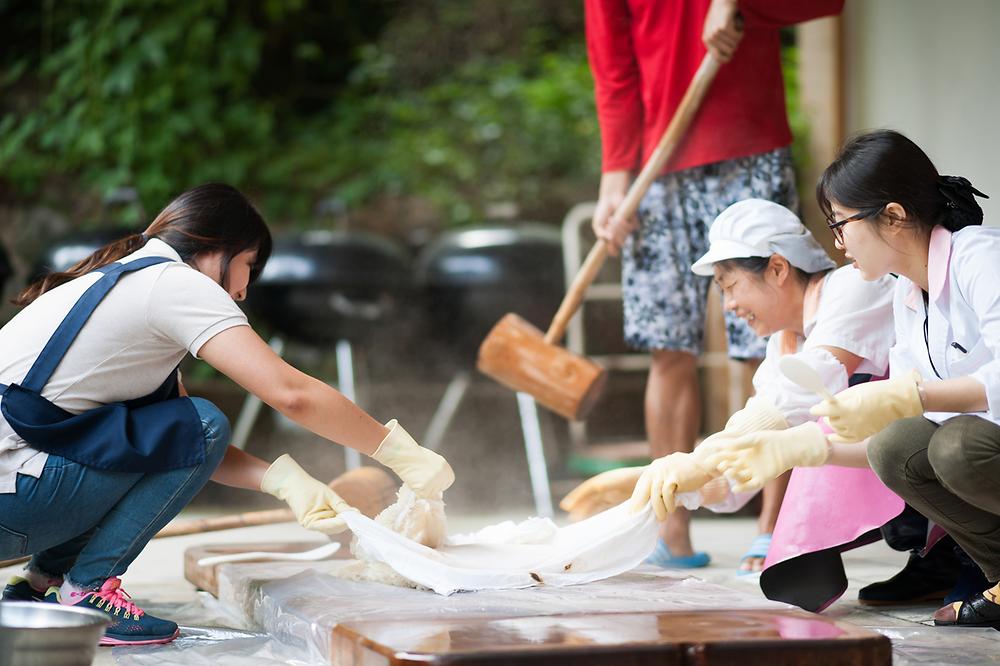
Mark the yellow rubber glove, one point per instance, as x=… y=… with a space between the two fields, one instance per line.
x=601 y=492
x=862 y=410
x=758 y=414
x=425 y=472
x=664 y=478
x=750 y=461
x=315 y=506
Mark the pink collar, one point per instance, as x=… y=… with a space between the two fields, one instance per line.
x=938 y=259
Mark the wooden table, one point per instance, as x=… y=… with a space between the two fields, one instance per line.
x=372 y=625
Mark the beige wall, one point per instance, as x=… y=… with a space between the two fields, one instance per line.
x=930 y=69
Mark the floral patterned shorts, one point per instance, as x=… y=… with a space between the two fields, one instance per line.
x=664 y=301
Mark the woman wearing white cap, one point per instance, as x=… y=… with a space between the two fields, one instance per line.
x=776 y=276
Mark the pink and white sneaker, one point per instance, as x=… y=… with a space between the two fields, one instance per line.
x=130 y=625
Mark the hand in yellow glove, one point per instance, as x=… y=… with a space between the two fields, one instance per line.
x=425 y=472
x=601 y=492
x=664 y=478
x=862 y=410
x=314 y=504
x=750 y=461
x=758 y=414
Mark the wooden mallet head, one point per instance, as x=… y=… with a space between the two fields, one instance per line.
x=518 y=355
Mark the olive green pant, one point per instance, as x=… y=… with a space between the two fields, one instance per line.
x=951 y=474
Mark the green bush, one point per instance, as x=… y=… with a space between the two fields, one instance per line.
x=160 y=95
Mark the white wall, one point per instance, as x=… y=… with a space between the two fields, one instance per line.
x=930 y=69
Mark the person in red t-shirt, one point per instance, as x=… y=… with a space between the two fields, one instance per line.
x=643 y=55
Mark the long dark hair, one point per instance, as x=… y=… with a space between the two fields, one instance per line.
x=209 y=218
x=882 y=167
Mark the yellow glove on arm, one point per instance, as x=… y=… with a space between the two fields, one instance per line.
x=862 y=410
x=601 y=492
x=758 y=414
x=425 y=472
x=663 y=478
x=750 y=461
x=315 y=506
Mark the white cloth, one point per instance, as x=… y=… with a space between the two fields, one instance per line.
x=134 y=339
x=853 y=315
x=964 y=310
x=507 y=556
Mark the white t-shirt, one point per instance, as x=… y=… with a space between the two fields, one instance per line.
x=133 y=340
x=854 y=315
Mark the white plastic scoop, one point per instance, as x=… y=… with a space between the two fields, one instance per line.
x=804 y=375
x=313 y=555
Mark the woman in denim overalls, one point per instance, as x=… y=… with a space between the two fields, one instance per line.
x=97 y=454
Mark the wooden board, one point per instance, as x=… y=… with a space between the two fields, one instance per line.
x=703 y=638
x=205 y=577
x=474 y=634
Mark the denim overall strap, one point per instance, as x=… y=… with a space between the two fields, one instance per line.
x=57 y=346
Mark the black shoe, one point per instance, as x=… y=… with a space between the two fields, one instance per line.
x=923 y=579
x=19 y=589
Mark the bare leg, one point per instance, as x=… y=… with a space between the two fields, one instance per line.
x=673 y=415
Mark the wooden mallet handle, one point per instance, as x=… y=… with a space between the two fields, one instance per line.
x=672 y=137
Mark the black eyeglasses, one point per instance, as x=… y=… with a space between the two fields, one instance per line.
x=837 y=227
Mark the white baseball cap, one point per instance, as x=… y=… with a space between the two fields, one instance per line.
x=759 y=228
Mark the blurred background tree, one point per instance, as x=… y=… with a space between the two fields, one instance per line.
x=423 y=108
x=415 y=113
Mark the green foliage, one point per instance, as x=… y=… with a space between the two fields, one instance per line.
x=293 y=101
x=455 y=104
x=491 y=131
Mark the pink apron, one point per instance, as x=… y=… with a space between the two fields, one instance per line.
x=826 y=510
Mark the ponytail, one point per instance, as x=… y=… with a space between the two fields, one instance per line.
x=108 y=254
x=960 y=206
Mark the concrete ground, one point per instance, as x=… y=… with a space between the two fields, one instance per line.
x=157 y=578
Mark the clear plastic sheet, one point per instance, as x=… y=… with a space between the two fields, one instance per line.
x=302 y=610
x=198 y=646
x=942 y=646
x=207 y=639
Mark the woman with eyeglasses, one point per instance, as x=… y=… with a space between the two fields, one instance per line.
x=932 y=430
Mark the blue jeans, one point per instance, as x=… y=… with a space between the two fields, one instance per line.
x=88 y=524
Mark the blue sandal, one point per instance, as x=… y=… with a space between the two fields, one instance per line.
x=758 y=550
x=662 y=557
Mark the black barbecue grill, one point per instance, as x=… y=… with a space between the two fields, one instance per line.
x=6 y=269
x=473 y=277
x=470 y=279
x=323 y=286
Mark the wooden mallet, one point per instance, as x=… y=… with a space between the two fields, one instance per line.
x=520 y=356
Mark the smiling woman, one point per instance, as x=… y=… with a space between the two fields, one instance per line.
x=780 y=280
x=93 y=410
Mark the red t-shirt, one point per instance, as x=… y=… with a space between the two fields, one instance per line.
x=643 y=55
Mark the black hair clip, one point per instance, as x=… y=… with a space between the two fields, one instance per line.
x=959 y=192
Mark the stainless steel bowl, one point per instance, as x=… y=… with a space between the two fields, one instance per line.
x=43 y=634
